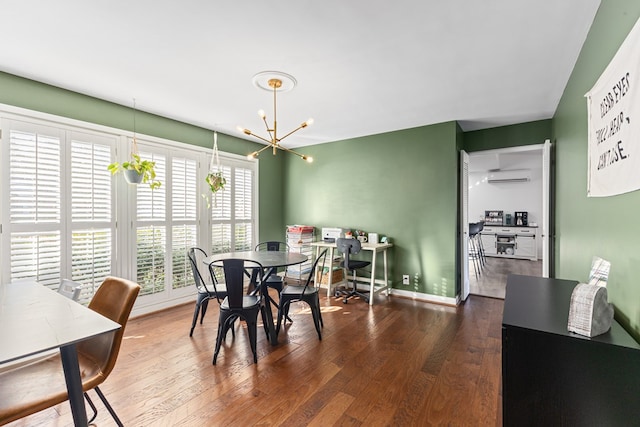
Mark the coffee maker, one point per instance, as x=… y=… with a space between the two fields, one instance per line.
x=521 y=219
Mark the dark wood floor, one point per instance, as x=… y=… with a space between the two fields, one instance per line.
x=398 y=363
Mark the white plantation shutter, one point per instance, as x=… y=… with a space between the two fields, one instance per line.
x=243 y=192
x=151 y=245
x=92 y=222
x=184 y=216
x=151 y=233
x=60 y=208
x=221 y=216
x=36 y=255
x=34 y=163
x=35 y=155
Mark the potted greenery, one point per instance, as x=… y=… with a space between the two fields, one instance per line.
x=137 y=171
x=216 y=181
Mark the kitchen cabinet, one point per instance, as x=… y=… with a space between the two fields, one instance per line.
x=510 y=242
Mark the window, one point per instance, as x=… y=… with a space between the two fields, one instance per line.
x=60 y=221
x=59 y=217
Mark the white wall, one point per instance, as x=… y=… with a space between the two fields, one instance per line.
x=508 y=196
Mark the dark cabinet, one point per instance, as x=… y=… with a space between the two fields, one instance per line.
x=551 y=377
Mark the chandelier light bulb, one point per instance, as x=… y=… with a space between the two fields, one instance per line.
x=262 y=114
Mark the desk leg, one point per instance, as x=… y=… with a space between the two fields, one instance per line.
x=69 y=356
x=386 y=274
x=330 y=274
x=372 y=285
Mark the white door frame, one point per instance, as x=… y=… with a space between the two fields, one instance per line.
x=464 y=224
x=545 y=149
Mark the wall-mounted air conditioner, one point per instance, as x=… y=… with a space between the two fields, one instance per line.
x=518 y=175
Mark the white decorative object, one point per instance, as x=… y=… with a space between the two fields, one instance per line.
x=373 y=237
x=590 y=313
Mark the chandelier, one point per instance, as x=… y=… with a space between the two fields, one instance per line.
x=274 y=81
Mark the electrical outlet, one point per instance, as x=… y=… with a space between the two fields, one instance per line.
x=405 y=279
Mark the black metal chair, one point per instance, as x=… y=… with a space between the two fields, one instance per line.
x=238 y=304
x=350 y=247
x=274 y=281
x=206 y=283
x=307 y=293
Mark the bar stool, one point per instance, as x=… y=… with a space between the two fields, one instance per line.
x=474 y=248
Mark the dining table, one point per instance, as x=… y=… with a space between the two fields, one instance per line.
x=35 y=319
x=270 y=261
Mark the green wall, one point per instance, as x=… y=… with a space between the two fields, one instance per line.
x=529 y=133
x=37 y=96
x=608 y=226
x=400 y=184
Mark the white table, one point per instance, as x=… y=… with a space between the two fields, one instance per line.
x=375 y=285
x=35 y=319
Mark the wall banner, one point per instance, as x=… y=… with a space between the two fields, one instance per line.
x=613 y=106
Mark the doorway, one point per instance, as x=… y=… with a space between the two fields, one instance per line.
x=507 y=182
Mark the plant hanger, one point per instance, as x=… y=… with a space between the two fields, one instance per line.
x=136 y=170
x=215 y=178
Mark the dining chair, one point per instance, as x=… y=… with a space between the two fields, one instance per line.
x=307 y=293
x=207 y=285
x=350 y=247
x=70 y=289
x=238 y=304
x=40 y=385
x=274 y=281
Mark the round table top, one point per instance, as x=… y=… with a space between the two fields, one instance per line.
x=267 y=259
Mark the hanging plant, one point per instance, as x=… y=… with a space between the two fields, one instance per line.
x=136 y=170
x=215 y=178
x=216 y=181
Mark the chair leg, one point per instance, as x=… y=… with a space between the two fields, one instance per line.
x=281 y=309
x=315 y=313
x=93 y=408
x=222 y=332
x=252 y=328
x=108 y=406
x=195 y=317
x=203 y=309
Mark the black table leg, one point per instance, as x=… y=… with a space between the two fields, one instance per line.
x=69 y=356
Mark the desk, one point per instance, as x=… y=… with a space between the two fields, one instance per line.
x=554 y=377
x=34 y=319
x=270 y=260
x=383 y=284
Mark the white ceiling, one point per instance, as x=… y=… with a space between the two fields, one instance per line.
x=363 y=67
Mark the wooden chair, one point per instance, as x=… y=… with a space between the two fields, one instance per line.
x=307 y=293
x=30 y=388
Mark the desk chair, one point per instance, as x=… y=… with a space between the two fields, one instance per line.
x=41 y=384
x=350 y=247
x=306 y=293
x=206 y=283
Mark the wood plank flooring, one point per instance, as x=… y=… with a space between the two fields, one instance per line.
x=492 y=281
x=397 y=363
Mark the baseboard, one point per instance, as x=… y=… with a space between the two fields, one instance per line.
x=424 y=297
